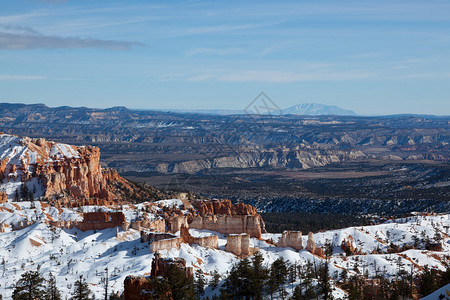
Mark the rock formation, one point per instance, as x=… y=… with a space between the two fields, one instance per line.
x=176 y=222
x=165 y=244
x=3 y=197
x=148 y=236
x=102 y=220
x=227 y=224
x=311 y=246
x=166 y=241
x=223 y=207
x=239 y=245
x=160 y=266
x=158 y=225
x=207 y=241
x=291 y=239
x=138 y=287
x=59 y=170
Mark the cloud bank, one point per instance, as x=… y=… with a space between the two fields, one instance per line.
x=19 y=37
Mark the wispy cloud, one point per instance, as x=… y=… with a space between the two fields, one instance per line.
x=19 y=37
x=21 y=77
x=213 y=51
x=275 y=76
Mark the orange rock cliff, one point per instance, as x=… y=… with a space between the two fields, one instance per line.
x=61 y=170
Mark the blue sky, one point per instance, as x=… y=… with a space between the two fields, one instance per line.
x=375 y=57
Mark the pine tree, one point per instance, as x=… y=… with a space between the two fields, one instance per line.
x=81 y=290
x=324 y=281
x=215 y=279
x=259 y=276
x=199 y=283
x=277 y=279
x=52 y=292
x=428 y=281
x=238 y=283
x=30 y=286
x=181 y=286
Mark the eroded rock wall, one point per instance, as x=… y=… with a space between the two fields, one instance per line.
x=238 y=244
x=166 y=244
x=291 y=239
x=227 y=224
x=207 y=241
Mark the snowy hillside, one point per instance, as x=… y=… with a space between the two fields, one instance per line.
x=69 y=253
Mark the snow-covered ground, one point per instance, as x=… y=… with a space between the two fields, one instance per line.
x=69 y=253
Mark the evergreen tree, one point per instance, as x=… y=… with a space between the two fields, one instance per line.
x=199 y=283
x=81 y=290
x=428 y=282
x=51 y=291
x=355 y=290
x=324 y=281
x=277 y=279
x=181 y=286
x=239 y=282
x=215 y=279
x=29 y=287
x=259 y=276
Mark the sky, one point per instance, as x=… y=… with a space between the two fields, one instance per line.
x=374 y=57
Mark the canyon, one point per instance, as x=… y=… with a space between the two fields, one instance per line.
x=269 y=159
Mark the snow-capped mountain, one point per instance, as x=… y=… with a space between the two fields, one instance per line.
x=315 y=109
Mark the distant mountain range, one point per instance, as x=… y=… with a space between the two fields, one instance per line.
x=308 y=109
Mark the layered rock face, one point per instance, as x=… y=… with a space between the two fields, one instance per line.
x=207 y=241
x=223 y=207
x=291 y=239
x=253 y=225
x=165 y=244
x=102 y=220
x=57 y=171
x=224 y=217
x=239 y=245
x=158 y=225
x=167 y=241
x=176 y=222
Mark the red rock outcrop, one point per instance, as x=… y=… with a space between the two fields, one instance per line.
x=137 y=287
x=223 y=207
x=207 y=241
x=64 y=171
x=160 y=266
x=230 y=224
x=348 y=245
x=291 y=239
x=102 y=220
x=3 y=197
